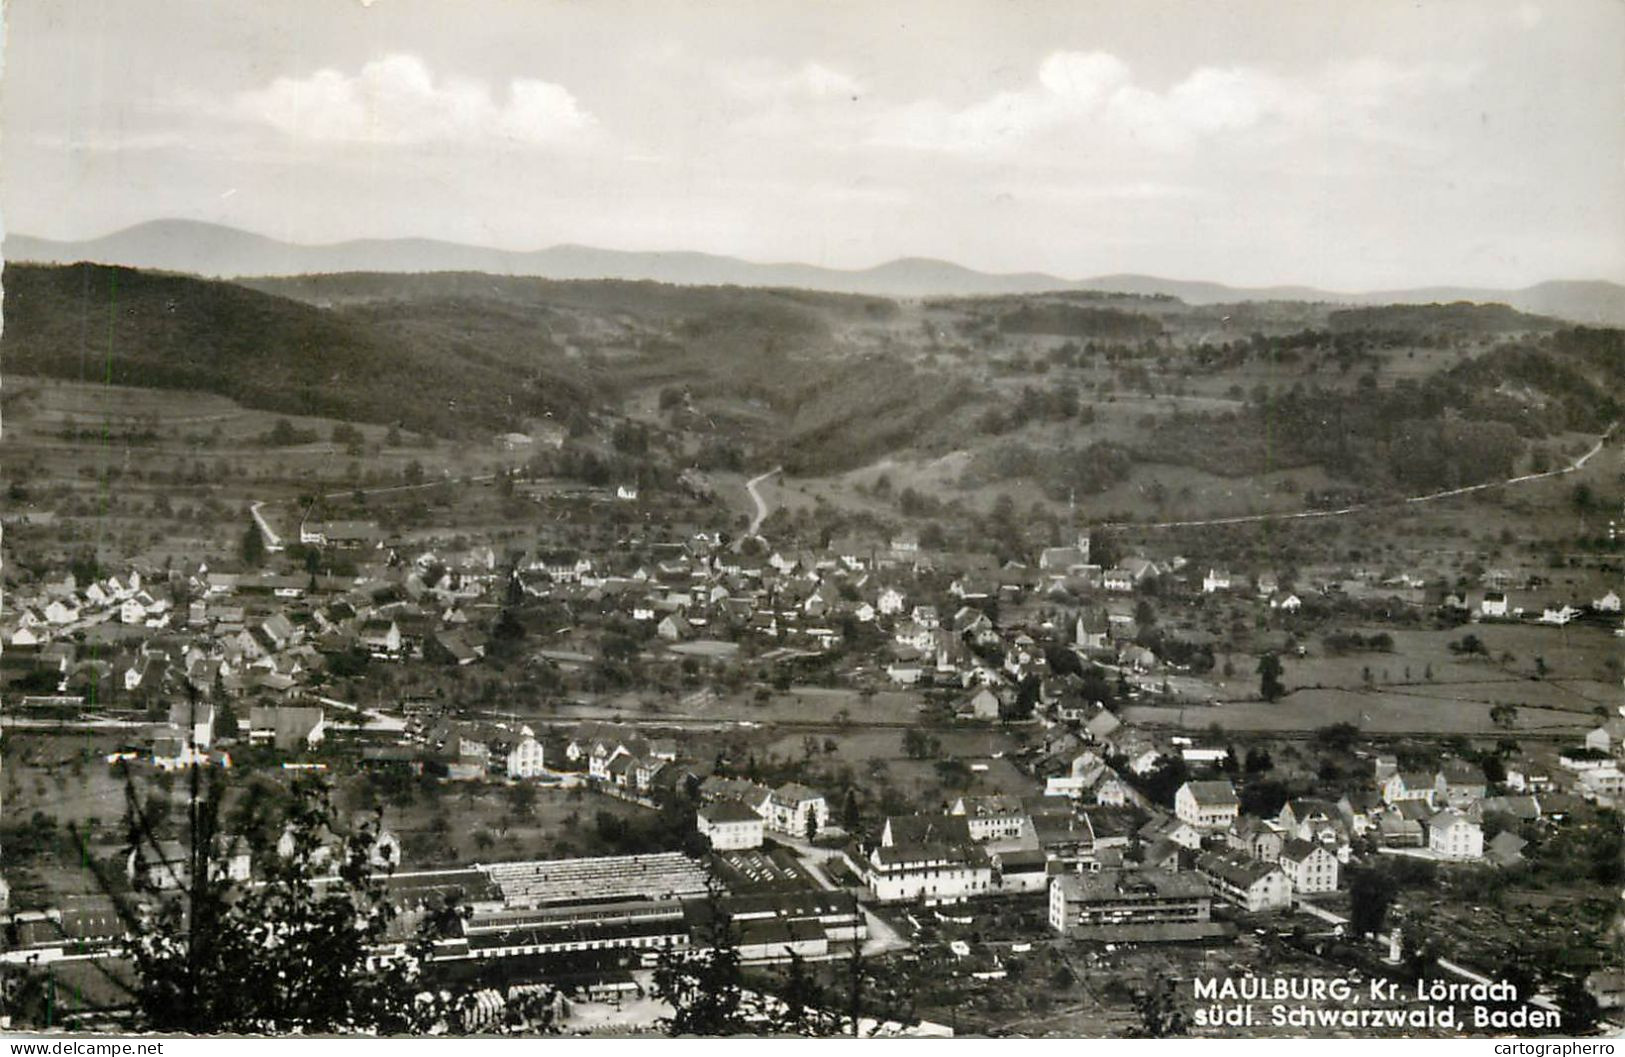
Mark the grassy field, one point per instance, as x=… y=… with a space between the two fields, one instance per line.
x=801 y=705
x=457 y=824
x=1374 y=712
x=1577 y=678
x=67 y=779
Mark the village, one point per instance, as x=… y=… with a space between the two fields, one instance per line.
x=655 y=679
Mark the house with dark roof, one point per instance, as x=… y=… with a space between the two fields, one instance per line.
x=1310 y=867
x=935 y=873
x=1132 y=906
x=1254 y=886
x=925 y=829
x=729 y=825
x=1210 y=806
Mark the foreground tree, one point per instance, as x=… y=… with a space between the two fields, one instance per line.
x=705 y=987
x=1161 y=1016
x=1371 y=893
x=314 y=946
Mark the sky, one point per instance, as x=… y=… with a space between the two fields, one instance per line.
x=1350 y=145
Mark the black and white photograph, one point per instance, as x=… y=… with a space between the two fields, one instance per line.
x=1019 y=519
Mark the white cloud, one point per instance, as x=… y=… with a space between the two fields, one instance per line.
x=1095 y=92
x=397 y=99
x=763 y=80
x=1082 y=79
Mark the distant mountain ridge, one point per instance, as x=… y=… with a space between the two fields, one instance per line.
x=217 y=251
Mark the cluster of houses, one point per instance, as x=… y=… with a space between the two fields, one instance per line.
x=242 y=633
x=1108 y=856
x=1498 y=603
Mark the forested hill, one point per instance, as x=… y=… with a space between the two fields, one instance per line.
x=121 y=326
x=1076 y=394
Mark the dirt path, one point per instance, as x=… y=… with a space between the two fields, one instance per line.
x=762 y=509
x=1305 y=515
x=273 y=542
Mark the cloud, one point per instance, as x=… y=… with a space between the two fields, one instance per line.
x=396 y=99
x=1095 y=92
x=763 y=80
x=1082 y=79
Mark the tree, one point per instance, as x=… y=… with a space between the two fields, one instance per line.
x=1469 y=645
x=704 y=985
x=851 y=816
x=812 y=826
x=305 y=937
x=1577 y=1007
x=1370 y=895
x=226 y=724
x=803 y=1009
x=282 y=434
x=1270 y=687
x=253 y=545
x=1160 y=1014
x=1504 y=715
x=918 y=745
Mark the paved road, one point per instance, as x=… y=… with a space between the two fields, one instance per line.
x=762 y=509
x=1305 y=515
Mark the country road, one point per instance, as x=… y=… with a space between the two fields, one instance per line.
x=384 y=490
x=273 y=542
x=761 y=504
x=1305 y=515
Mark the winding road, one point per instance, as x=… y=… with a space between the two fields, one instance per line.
x=1356 y=508
x=762 y=509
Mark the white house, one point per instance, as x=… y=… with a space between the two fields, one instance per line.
x=913 y=634
x=169 y=864
x=1215 y=580
x=1605 y=785
x=1608 y=603
x=1309 y=867
x=1610 y=737
x=1209 y=806
x=1253 y=886
x=984 y=704
x=1410 y=785
x=1452 y=835
x=936 y=873
x=1558 y=615
x=994 y=817
x=790 y=807
x=525 y=757
x=194 y=722
x=891 y=602
x=729 y=825
x=1494 y=604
